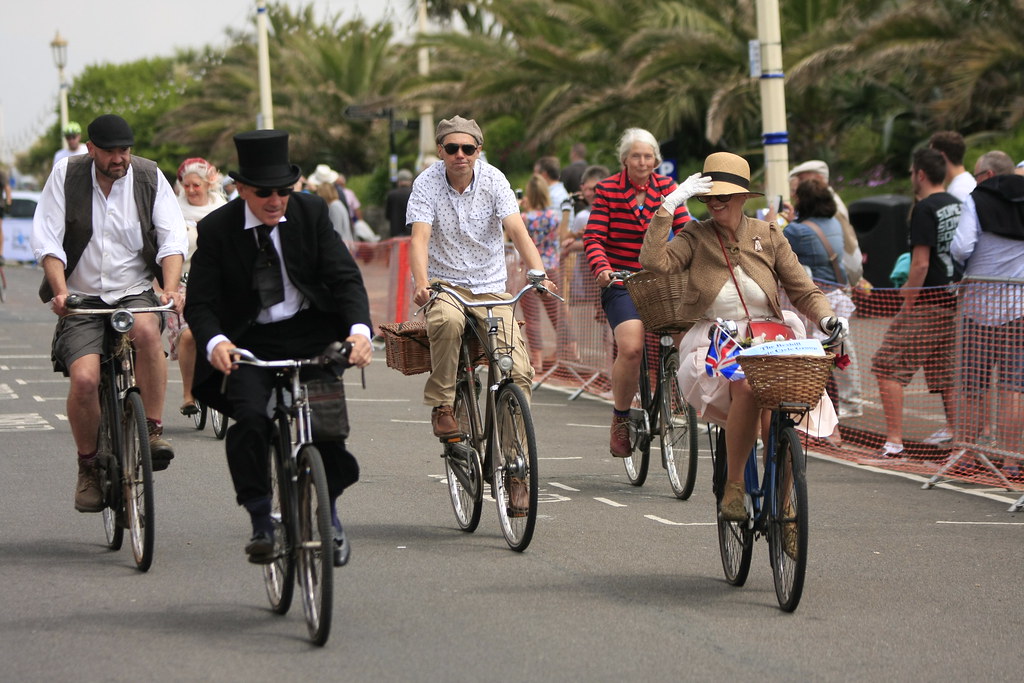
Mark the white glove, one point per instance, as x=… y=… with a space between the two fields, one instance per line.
x=694 y=185
x=829 y=323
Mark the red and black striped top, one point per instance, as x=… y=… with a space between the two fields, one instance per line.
x=616 y=228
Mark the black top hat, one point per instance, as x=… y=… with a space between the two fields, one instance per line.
x=263 y=159
x=110 y=131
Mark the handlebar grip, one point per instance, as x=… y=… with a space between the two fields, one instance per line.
x=73 y=301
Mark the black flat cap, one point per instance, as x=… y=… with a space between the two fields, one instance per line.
x=110 y=131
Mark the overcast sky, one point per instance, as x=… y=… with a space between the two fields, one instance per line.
x=119 y=31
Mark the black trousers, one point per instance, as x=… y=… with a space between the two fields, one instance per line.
x=249 y=392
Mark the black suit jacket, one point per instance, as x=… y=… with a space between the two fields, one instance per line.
x=221 y=298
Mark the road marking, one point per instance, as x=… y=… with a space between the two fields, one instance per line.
x=568 y=457
x=662 y=520
x=25 y=422
x=576 y=424
x=942 y=521
x=6 y=357
x=43 y=399
x=6 y=393
x=411 y=422
x=24 y=382
x=610 y=502
x=562 y=486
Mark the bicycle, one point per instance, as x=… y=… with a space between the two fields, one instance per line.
x=125 y=463
x=301 y=506
x=662 y=412
x=500 y=445
x=217 y=419
x=776 y=504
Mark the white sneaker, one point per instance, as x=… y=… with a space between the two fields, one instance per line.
x=941 y=436
x=890 y=450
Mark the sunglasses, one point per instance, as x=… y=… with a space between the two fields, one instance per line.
x=720 y=197
x=467 y=149
x=265 y=192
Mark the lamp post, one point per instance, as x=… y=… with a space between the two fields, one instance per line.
x=266 y=116
x=60 y=57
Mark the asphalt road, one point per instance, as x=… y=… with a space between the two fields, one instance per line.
x=619 y=582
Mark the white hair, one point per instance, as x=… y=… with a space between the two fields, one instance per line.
x=633 y=135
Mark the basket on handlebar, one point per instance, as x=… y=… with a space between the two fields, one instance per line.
x=787 y=379
x=656 y=298
x=407 y=348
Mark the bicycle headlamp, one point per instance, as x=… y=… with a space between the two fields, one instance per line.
x=122 y=320
x=505 y=362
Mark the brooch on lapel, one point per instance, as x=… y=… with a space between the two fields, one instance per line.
x=757 y=243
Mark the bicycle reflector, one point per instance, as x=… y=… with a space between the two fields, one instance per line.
x=122 y=320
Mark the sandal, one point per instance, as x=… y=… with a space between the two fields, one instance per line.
x=189 y=409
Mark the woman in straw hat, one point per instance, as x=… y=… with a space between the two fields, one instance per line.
x=736 y=265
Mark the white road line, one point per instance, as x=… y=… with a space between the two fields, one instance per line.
x=943 y=521
x=42 y=399
x=661 y=520
x=33 y=357
x=575 y=424
x=562 y=486
x=610 y=502
x=568 y=457
x=411 y=422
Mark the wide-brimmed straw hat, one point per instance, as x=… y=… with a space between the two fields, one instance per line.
x=730 y=174
x=323 y=175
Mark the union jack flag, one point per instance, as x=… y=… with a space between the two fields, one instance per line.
x=722 y=356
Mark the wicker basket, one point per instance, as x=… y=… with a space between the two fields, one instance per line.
x=656 y=298
x=407 y=348
x=787 y=379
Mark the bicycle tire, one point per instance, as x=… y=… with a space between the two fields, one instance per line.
x=279 y=576
x=513 y=448
x=199 y=419
x=789 y=565
x=315 y=545
x=467 y=502
x=638 y=461
x=3 y=286
x=735 y=539
x=678 y=431
x=137 y=473
x=219 y=423
x=110 y=475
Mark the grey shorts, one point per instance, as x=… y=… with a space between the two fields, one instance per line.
x=80 y=335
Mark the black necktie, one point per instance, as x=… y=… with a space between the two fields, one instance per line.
x=267 y=273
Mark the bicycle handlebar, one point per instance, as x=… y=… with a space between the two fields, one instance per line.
x=335 y=354
x=73 y=302
x=535 y=280
x=730 y=327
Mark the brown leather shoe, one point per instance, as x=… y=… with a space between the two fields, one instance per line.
x=619 y=446
x=88 y=494
x=518 y=497
x=442 y=419
x=159 y=450
x=733 y=507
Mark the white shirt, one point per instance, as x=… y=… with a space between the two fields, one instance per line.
x=65 y=153
x=466 y=245
x=962 y=185
x=111 y=266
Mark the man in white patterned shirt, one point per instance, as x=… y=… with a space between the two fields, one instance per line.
x=460 y=209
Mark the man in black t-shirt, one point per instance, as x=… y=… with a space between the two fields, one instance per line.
x=923 y=333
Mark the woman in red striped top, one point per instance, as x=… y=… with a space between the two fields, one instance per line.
x=622 y=209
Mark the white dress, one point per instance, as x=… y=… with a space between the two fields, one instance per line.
x=710 y=396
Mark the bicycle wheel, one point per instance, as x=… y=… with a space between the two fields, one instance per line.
x=735 y=539
x=3 y=286
x=110 y=478
x=514 y=449
x=462 y=465
x=138 y=481
x=678 y=430
x=787 y=525
x=315 y=545
x=219 y=423
x=200 y=418
x=279 y=576
x=640 y=429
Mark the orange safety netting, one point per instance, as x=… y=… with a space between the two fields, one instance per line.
x=969 y=342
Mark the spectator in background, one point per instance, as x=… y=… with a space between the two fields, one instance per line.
x=397 y=202
x=923 y=333
x=73 y=135
x=228 y=187
x=548 y=168
x=336 y=211
x=959 y=182
x=355 y=208
x=990 y=242
x=572 y=175
x=5 y=201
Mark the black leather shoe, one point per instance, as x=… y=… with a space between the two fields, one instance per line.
x=261 y=548
x=342 y=548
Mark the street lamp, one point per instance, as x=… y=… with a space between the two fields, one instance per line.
x=60 y=57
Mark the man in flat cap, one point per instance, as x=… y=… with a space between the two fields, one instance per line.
x=107 y=224
x=461 y=209
x=271 y=275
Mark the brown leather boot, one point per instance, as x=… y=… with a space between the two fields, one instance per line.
x=442 y=419
x=88 y=494
x=619 y=446
x=518 y=497
x=160 y=451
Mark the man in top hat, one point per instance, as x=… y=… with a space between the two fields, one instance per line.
x=73 y=135
x=271 y=275
x=94 y=237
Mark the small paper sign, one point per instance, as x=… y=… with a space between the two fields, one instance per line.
x=788 y=347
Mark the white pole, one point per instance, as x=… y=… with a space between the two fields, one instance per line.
x=263 y=51
x=773 y=100
x=427 y=145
